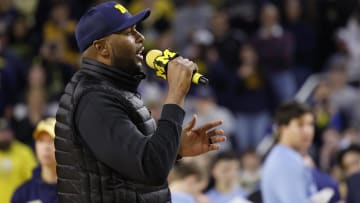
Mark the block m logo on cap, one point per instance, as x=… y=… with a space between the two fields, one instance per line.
x=121 y=8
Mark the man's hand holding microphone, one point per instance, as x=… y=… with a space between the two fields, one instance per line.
x=180 y=72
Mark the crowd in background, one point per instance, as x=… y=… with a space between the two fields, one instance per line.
x=257 y=54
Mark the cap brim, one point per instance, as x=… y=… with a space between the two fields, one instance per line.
x=135 y=19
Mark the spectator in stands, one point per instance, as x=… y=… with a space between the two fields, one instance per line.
x=16 y=162
x=330 y=147
x=7 y=12
x=58 y=73
x=322 y=180
x=206 y=109
x=225 y=171
x=59 y=31
x=227 y=41
x=325 y=114
x=349 y=160
x=276 y=52
x=12 y=74
x=304 y=39
x=160 y=20
x=342 y=96
x=285 y=177
x=251 y=99
x=186 y=182
x=194 y=15
x=250 y=171
x=35 y=111
x=42 y=186
x=242 y=13
x=20 y=39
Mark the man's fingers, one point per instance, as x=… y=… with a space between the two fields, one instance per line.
x=214 y=147
x=210 y=125
x=191 y=124
x=215 y=132
x=217 y=139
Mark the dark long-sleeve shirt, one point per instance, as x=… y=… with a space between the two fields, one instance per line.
x=114 y=139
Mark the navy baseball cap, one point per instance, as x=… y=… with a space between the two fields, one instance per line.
x=103 y=20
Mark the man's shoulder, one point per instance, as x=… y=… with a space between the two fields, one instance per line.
x=282 y=158
x=25 y=191
x=21 y=148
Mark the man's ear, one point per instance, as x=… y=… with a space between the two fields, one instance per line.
x=102 y=48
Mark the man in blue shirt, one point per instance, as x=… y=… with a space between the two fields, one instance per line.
x=285 y=177
x=42 y=186
x=226 y=171
x=186 y=182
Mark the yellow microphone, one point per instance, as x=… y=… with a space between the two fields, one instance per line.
x=158 y=61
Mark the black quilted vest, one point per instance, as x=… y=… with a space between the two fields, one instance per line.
x=82 y=178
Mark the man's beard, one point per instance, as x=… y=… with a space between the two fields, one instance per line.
x=128 y=66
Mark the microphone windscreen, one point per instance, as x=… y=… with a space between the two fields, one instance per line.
x=151 y=56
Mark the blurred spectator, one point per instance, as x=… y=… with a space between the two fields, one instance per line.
x=250 y=171
x=27 y=9
x=194 y=15
x=7 y=12
x=225 y=171
x=276 y=53
x=42 y=186
x=325 y=115
x=59 y=31
x=304 y=39
x=186 y=182
x=34 y=111
x=206 y=109
x=227 y=41
x=12 y=74
x=58 y=73
x=160 y=20
x=284 y=166
x=342 y=96
x=349 y=160
x=20 y=41
x=251 y=99
x=330 y=147
x=16 y=162
x=196 y=51
x=220 y=56
x=323 y=180
x=242 y=13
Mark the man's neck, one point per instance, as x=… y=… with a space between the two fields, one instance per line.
x=178 y=186
x=225 y=187
x=288 y=144
x=48 y=174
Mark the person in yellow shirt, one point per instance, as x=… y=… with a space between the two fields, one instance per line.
x=16 y=162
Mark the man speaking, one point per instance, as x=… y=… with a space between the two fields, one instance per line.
x=108 y=147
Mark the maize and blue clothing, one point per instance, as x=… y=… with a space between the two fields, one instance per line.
x=36 y=189
x=285 y=177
